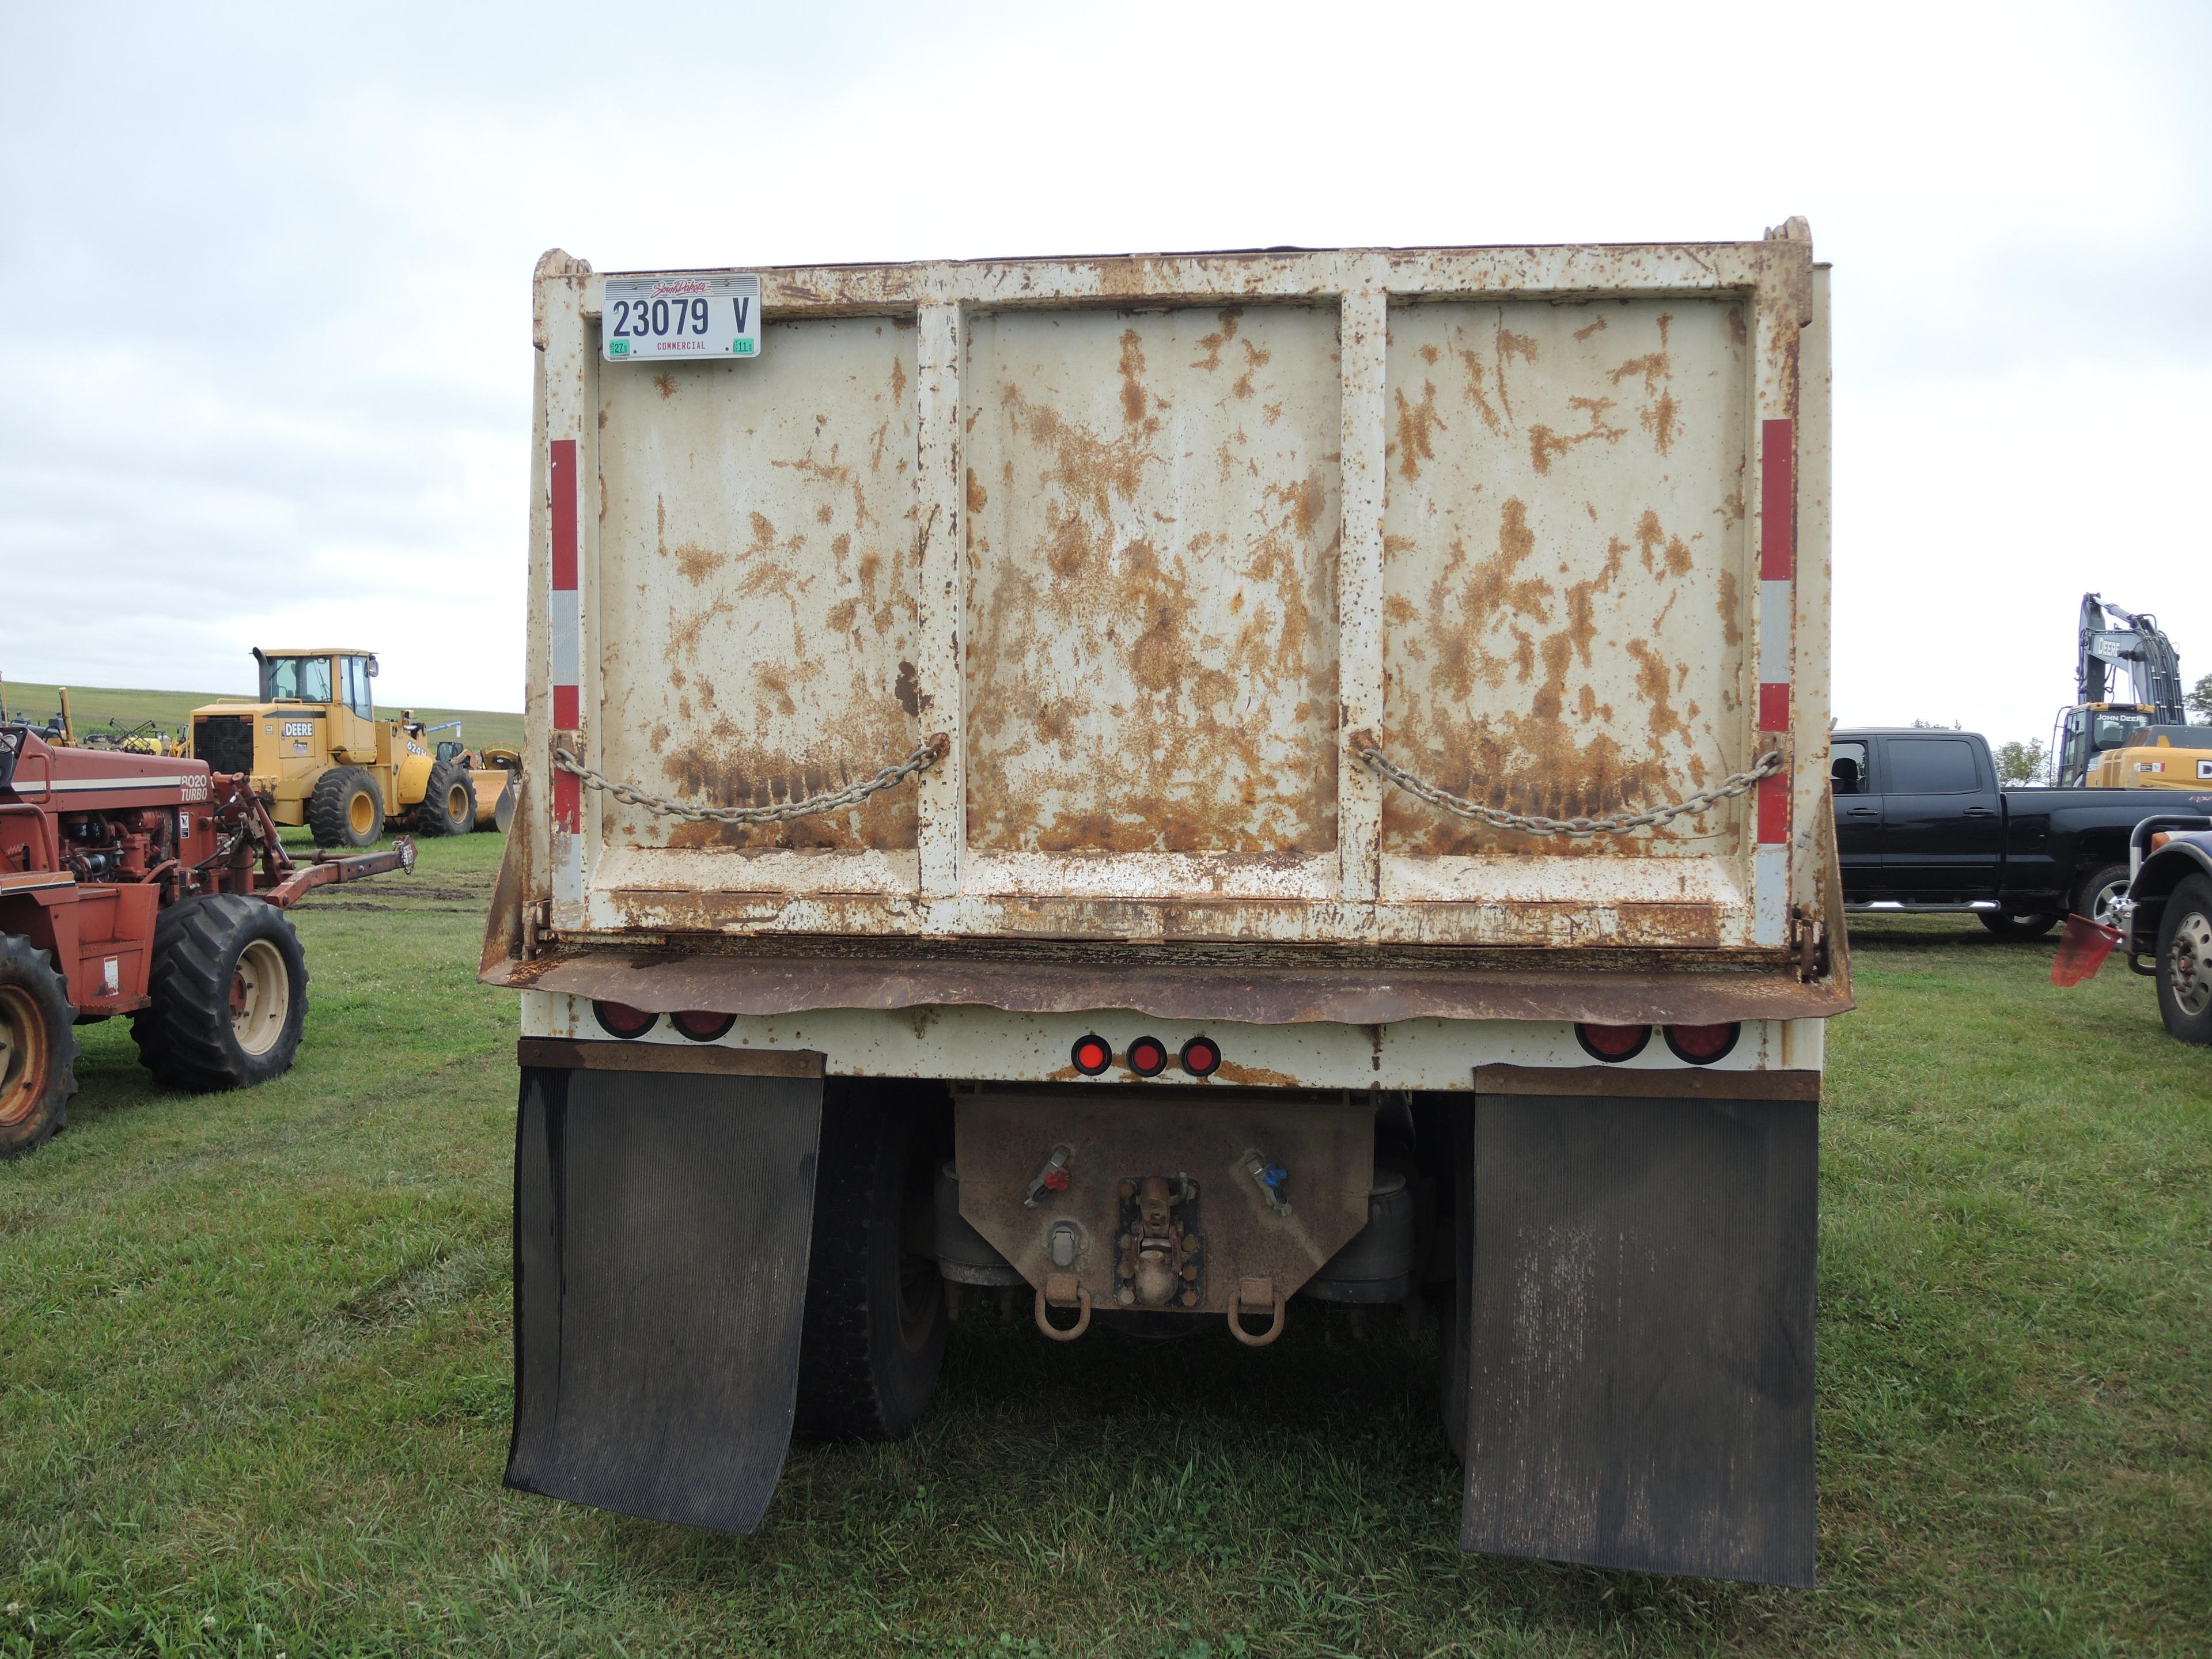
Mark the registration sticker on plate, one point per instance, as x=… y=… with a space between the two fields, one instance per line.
x=658 y=316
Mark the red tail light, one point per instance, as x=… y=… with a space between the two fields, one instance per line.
x=1200 y=1057
x=1612 y=1043
x=703 y=1025
x=620 y=1020
x=1091 y=1054
x=1148 y=1056
x=1701 y=1045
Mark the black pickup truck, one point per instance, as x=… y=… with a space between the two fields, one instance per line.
x=1921 y=825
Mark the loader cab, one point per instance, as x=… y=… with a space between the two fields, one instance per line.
x=319 y=677
x=2088 y=730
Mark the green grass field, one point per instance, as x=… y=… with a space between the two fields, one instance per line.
x=95 y=708
x=254 y=1381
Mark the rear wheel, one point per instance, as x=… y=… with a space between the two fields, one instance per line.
x=449 y=801
x=2009 y=926
x=38 y=1049
x=876 y=1320
x=2098 y=895
x=230 y=985
x=2185 y=962
x=346 y=808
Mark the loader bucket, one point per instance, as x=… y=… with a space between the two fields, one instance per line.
x=1639 y=1316
x=662 y=1223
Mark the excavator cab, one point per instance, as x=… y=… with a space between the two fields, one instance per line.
x=2090 y=730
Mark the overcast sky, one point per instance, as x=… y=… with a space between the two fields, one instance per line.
x=264 y=277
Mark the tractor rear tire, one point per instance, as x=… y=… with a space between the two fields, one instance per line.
x=230 y=985
x=2007 y=926
x=38 y=1046
x=876 y=1316
x=346 y=808
x=449 y=801
x=2185 y=962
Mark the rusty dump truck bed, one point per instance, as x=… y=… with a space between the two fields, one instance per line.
x=1191 y=565
x=1180 y=789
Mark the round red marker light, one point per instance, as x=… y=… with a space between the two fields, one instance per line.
x=1148 y=1056
x=620 y=1020
x=1200 y=1057
x=1091 y=1054
x=1612 y=1043
x=703 y=1025
x=1701 y=1045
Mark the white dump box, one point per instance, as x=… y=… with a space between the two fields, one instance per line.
x=1188 y=787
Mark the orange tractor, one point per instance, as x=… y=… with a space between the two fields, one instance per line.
x=146 y=885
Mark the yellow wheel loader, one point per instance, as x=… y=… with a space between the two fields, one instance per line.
x=318 y=755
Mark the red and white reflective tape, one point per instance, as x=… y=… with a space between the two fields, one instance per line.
x=564 y=621
x=1777 y=611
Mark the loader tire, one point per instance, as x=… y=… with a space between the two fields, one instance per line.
x=2008 y=926
x=876 y=1319
x=38 y=1046
x=230 y=985
x=449 y=801
x=346 y=808
x=2185 y=962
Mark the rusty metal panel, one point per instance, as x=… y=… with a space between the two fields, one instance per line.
x=1152 y=524
x=757 y=596
x=1566 y=577
x=1159 y=543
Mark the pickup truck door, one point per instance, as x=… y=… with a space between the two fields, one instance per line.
x=1858 y=816
x=1943 y=823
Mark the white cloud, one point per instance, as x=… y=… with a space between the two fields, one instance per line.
x=264 y=300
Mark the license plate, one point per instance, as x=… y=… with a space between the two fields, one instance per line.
x=660 y=317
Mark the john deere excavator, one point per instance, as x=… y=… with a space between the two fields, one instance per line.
x=318 y=755
x=2097 y=741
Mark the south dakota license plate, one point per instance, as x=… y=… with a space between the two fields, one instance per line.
x=660 y=317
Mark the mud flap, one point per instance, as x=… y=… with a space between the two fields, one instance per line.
x=1639 y=1323
x=662 y=1225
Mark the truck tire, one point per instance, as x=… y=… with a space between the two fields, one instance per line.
x=2185 y=962
x=346 y=808
x=876 y=1320
x=230 y=985
x=448 y=807
x=38 y=1046
x=2009 y=925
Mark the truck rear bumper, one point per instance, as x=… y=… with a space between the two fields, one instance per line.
x=993 y=1045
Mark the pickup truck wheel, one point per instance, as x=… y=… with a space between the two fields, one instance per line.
x=38 y=1049
x=2185 y=962
x=876 y=1319
x=229 y=990
x=2100 y=893
x=2008 y=926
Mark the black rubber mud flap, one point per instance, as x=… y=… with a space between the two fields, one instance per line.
x=1640 y=1331
x=662 y=1223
